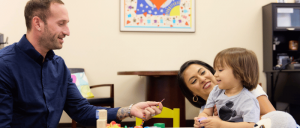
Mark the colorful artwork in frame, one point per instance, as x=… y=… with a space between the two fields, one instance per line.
x=157 y=15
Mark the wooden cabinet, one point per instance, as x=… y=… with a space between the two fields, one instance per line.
x=281 y=25
x=281 y=34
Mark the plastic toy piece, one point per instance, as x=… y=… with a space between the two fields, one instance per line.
x=113 y=124
x=203 y=118
x=161 y=125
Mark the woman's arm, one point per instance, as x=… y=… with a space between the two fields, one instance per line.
x=265 y=105
x=225 y=124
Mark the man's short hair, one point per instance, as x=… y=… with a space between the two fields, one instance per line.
x=38 y=8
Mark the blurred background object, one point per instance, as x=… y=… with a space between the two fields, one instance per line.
x=2 y=41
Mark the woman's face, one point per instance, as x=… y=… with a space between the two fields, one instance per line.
x=199 y=80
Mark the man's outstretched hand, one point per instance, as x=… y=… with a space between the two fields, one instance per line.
x=148 y=108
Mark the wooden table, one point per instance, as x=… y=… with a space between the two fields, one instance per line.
x=160 y=85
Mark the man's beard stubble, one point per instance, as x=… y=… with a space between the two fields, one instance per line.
x=48 y=40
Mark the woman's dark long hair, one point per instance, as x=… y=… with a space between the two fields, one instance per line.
x=184 y=89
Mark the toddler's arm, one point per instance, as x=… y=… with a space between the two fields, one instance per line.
x=206 y=112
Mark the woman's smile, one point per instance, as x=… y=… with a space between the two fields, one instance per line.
x=207 y=85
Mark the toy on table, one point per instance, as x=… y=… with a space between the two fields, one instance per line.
x=151 y=127
x=144 y=116
x=101 y=115
x=113 y=124
x=161 y=125
x=276 y=119
x=203 y=118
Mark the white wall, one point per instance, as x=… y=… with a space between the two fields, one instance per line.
x=97 y=45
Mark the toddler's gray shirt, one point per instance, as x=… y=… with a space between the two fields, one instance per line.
x=242 y=107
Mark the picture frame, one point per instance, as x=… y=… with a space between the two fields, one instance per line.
x=157 y=15
x=281 y=1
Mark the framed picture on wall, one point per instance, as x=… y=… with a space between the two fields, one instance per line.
x=157 y=15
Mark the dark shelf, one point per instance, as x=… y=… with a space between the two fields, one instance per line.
x=282 y=85
x=297 y=29
x=285 y=51
x=295 y=70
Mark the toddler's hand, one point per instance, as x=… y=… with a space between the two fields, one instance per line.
x=197 y=123
x=211 y=122
x=202 y=118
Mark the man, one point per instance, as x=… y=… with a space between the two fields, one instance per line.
x=35 y=84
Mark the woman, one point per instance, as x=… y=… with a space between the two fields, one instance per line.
x=196 y=80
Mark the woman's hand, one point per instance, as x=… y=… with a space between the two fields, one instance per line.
x=211 y=122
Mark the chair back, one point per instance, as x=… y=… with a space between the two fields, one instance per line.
x=96 y=101
x=76 y=70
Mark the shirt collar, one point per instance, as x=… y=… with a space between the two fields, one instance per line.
x=27 y=48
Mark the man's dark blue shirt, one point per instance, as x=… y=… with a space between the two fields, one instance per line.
x=34 y=93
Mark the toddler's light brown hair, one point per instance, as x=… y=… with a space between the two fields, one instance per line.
x=243 y=63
